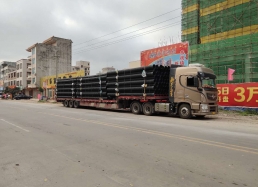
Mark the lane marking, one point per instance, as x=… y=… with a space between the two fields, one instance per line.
x=15 y=125
x=186 y=138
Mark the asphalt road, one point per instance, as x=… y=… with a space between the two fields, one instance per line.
x=49 y=145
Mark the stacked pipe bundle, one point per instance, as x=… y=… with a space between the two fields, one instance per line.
x=66 y=88
x=143 y=81
x=92 y=87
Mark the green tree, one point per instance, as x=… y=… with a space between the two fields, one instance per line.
x=41 y=89
x=12 y=91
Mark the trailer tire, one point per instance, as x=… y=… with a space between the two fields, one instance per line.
x=76 y=104
x=148 y=109
x=185 y=111
x=136 y=107
x=66 y=103
x=71 y=104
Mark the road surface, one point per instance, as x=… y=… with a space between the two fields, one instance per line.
x=47 y=145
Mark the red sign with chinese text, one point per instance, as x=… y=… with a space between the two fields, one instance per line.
x=243 y=94
x=172 y=54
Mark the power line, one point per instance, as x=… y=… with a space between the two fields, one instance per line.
x=131 y=37
x=129 y=26
x=126 y=33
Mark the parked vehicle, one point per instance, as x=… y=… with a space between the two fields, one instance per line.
x=184 y=91
x=22 y=96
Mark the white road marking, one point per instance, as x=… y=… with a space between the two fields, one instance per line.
x=15 y=125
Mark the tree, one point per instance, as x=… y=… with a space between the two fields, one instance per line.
x=41 y=89
x=12 y=91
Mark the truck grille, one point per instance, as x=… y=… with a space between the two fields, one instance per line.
x=213 y=109
x=212 y=96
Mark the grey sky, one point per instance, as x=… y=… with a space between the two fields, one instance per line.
x=25 y=22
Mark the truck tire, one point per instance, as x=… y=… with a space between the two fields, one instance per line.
x=71 y=104
x=66 y=103
x=185 y=111
x=136 y=107
x=76 y=104
x=148 y=109
x=63 y=103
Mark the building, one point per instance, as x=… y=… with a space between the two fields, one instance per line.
x=135 y=64
x=51 y=57
x=10 y=79
x=48 y=82
x=5 y=68
x=82 y=65
x=223 y=34
x=23 y=73
x=107 y=69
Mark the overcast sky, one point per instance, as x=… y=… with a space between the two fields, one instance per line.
x=25 y=22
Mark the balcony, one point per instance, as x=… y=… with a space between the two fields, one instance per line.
x=31 y=86
x=29 y=68
x=29 y=58
x=29 y=77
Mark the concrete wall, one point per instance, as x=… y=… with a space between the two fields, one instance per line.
x=52 y=59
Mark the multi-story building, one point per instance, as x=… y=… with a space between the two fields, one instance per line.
x=10 y=78
x=23 y=73
x=135 y=64
x=52 y=57
x=82 y=65
x=5 y=68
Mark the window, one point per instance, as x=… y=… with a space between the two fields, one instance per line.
x=64 y=77
x=18 y=83
x=54 y=80
x=33 y=50
x=17 y=75
x=190 y=81
x=20 y=66
x=17 y=66
x=70 y=76
x=81 y=66
x=20 y=74
x=33 y=71
x=50 y=81
x=33 y=81
x=33 y=61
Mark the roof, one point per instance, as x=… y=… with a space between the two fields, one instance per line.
x=31 y=47
x=48 y=41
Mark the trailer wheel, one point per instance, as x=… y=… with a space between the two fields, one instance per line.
x=185 y=111
x=66 y=103
x=76 y=104
x=71 y=104
x=136 y=107
x=148 y=109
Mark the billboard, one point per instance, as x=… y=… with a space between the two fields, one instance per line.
x=167 y=55
x=242 y=94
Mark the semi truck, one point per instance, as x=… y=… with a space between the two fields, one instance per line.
x=180 y=91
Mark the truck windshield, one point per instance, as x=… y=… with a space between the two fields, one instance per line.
x=208 y=82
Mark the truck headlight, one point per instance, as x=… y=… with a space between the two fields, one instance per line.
x=204 y=108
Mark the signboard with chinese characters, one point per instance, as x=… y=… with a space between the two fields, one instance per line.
x=166 y=56
x=244 y=94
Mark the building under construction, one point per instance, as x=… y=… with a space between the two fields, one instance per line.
x=223 y=34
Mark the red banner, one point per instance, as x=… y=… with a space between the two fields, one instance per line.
x=167 y=55
x=244 y=94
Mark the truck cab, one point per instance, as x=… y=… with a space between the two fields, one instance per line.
x=193 y=91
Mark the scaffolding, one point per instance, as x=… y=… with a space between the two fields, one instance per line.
x=226 y=36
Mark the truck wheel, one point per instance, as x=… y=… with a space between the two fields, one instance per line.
x=185 y=111
x=136 y=108
x=76 y=104
x=71 y=104
x=63 y=103
x=66 y=103
x=148 y=109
